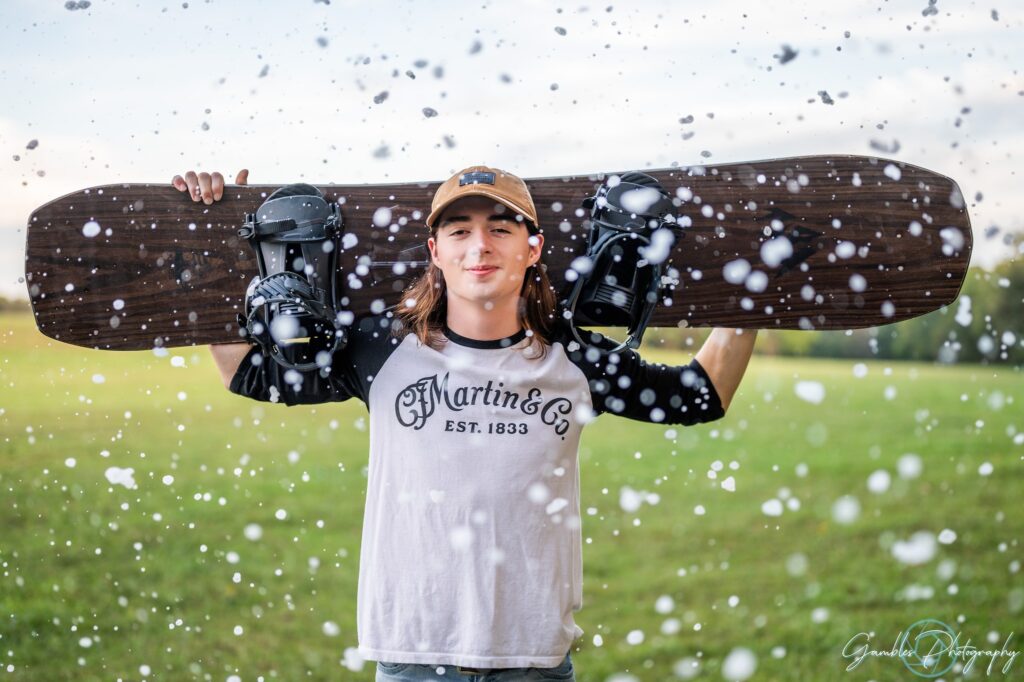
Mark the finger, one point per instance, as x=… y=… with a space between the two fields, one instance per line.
x=178 y=183
x=206 y=188
x=243 y=177
x=217 y=185
x=192 y=182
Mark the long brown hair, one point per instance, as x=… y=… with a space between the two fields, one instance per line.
x=424 y=307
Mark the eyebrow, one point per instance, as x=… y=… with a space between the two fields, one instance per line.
x=504 y=217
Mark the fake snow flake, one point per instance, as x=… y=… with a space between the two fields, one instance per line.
x=985 y=469
x=253 y=532
x=556 y=505
x=947 y=536
x=796 y=564
x=893 y=172
x=660 y=248
x=776 y=250
x=879 y=481
x=461 y=537
x=98 y=379
x=735 y=272
x=91 y=229
x=909 y=466
x=119 y=476
x=772 y=507
x=686 y=668
x=331 y=629
x=739 y=665
x=919 y=549
x=729 y=484
x=382 y=217
x=846 y=509
x=810 y=391
x=429 y=112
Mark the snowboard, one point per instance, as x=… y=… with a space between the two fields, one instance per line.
x=816 y=243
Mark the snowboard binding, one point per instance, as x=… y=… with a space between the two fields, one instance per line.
x=291 y=311
x=619 y=279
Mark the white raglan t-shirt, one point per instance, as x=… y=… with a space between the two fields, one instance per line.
x=471 y=549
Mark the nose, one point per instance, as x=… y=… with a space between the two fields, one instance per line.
x=481 y=242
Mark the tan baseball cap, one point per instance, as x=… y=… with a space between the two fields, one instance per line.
x=503 y=187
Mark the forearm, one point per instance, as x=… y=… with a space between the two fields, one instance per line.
x=724 y=356
x=228 y=357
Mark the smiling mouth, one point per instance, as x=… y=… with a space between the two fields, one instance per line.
x=483 y=268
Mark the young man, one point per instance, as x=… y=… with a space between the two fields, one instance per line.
x=471 y=558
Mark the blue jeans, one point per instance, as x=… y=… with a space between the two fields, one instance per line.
x=415 y=672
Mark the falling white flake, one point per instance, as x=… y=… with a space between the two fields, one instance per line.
x=382 y=217
x=119 y=476
x=253 y=531
x=810 y=391
x=664 y=604
x=461 y=537
x=909 y=466
x=735 y=272
x=660 y=248
x=919 y=549
x=91 y=229
x=774 y=251
x=739 y=665
x=846 y=509
x=639 y=200
x=772 y=507
x=879 y=481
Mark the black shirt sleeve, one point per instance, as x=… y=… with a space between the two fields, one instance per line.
x=352 y=370
x=623 y=383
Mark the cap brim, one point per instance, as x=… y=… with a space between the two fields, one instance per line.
x=436 y=213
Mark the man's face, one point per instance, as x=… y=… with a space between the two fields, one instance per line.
x=483 y=251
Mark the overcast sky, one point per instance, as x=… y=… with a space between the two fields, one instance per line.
x=138 y=91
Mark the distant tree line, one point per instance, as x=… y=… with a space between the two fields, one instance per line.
x=14 y=305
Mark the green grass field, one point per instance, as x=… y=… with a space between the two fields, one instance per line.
x=102 y=582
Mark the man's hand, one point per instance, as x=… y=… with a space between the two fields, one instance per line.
x=206 y=187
